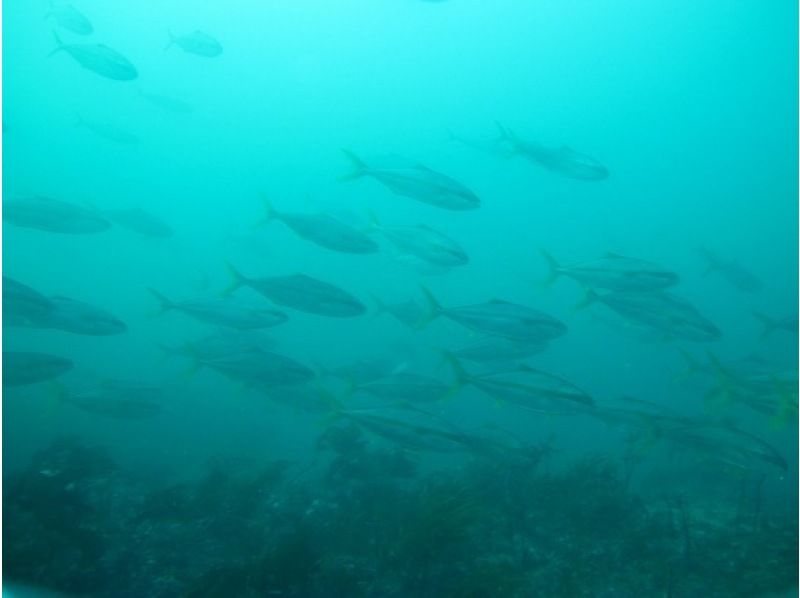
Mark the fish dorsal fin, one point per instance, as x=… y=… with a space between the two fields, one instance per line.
x=614 y=256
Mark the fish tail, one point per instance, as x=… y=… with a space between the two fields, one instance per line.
x=434 y=307
x=692 y=366
x=786 y=406
x=553 y=268
x=270 y=213
x=237 y=280
x=460 y=375
x=380 y=306
x=723 y=393
x=769 y=325
x=508 y=136
x=359 y=168
x=374 y=224
x=164 y=304
x=335 y=405
x=172 y=40
x=589 y=298
x=59 y=44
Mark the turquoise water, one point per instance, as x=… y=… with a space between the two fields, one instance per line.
x=374 y=463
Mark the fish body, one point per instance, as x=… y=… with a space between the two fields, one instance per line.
x=662 y=311
x=731 y=271
x=420 y=183
x=140 y=221
x=71 y=19
x=529 y=389
x=410 y=313
x=22 y=304
x=304 y=293
x=224 y=312
x=325 y=230
x=501 y=318
x=167 y=103
x=405 y=386
x=562 y=160
x=117 y=400
x=53 y=215
x=497 y=146
x=21 y=368
x=259 y=368
x=615 y=273
x=109 y=132
x=77 y=317
x=198 y=43
x=499 y=349
x=424 y=243
x=99 y=59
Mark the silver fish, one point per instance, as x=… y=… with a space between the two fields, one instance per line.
x=70 y=18
x=324 y=230
x=259 y=368
x=21 y=368
x=53 y=215
x=410 y=313
x=167 y=103
x=99 y=59
x=423 y=242
x=418 y=182
x=499 y=349
x=77 y=317
x=197 y=42
x=303 y=293
x=733 y=272
x=22 y=304
x=500 y=318
x=615 y=273
x=116 y=400
x=563 y=160
x=528 y=388
x=224 y=312
x=140 y=221
x=108 y=131
x=405 y=386
x=662 y=311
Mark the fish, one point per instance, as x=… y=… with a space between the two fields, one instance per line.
x=404 y=386
x=77 y=317
x=417 y=182
x=562 y=160
x=167 y=103
x=22 y=303
x=411 y=429
x=108 y=132
x=423 y=242
x=53 y=215
x=99 y=59
x=498 y=349
x=21 y=368
x=115 y=399
x=140 y=221
x=323 y=230
x=224 y=312
x=303 y=293
x=496 y=146
x=258 y=368
x=70 y=18
x=499 y=318
x=731 y=271
x=665 y=312
x=410 y=313
x=527 y=388
x=368 y=370
x=197 y=42
x=614 y=272
x=724 y=442
x=302 y=398
x=771 y=324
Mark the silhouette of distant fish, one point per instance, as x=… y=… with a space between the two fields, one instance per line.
x=53 y=215
x=70 y=18
x=197 y=42
x=99 y=59
x=21 y=368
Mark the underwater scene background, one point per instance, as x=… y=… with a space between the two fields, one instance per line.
x=532 y=333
